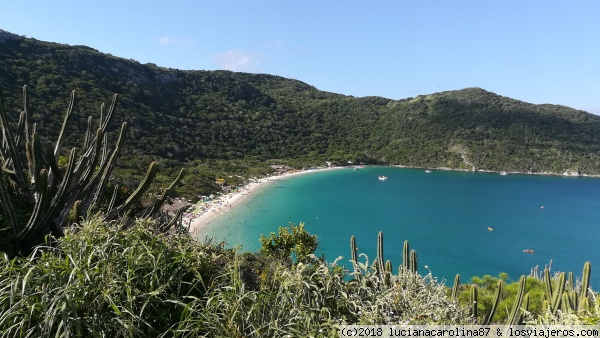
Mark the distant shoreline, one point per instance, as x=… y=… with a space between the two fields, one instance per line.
x=213 y=209
x=545 y=173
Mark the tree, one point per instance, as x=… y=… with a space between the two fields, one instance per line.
x=290 y=242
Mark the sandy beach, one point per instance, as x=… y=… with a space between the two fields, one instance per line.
x=205 y=212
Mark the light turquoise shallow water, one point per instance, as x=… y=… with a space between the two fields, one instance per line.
x=445 y=215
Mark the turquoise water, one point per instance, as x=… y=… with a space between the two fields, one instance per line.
x=444 y=215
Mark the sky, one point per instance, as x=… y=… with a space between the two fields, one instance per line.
x=535 y=51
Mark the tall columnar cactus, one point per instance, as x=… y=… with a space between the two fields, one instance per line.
x=585 y=283
x=515 y=316
x=497 y=297
x=474 y=300
x=405 y=255
x=455 y=287
x=353 y=254
x=547 y=284
x=570 y=282
x=558 y=293
x=32 y=179
x=413 y=261
x=380 y=259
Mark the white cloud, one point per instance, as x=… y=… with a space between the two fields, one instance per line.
x=238 y=61
x=175 y=41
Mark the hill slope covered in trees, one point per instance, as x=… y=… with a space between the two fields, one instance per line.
x=184 y=115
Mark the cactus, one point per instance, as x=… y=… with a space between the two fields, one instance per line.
x=515 y=317
x=574 y=299
x=547 y=284
x=354 y=256
x=473 y=299
x=558 y=293
x=497 y=297
x=526 y=301
x=585 y=283
x=570 y=282
x=405 y=256
x=46 y=195
x=380 y=259
x=455 y=287
x=566 y=305
x=413 y=261
x=387 y=273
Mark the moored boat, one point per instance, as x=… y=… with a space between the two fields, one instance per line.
x=383 y=178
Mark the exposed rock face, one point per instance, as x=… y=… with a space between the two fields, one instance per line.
x=4 y=35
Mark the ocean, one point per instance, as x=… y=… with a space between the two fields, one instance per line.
x=446 y=216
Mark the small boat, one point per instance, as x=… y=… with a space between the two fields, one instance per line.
x=383 y=178
x=490 y=229
x=503 y=173
x=428 y=171
x=528 y=251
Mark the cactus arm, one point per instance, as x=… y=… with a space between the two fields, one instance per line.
x=113 y=199
x=159 y=202
x=60 y=197
x=514 y=317
x=64 y=125
x=173 y=221
x=405 y=255
x=88 y=134
x=570 y=282
x=26 y=115
x=11 y=147
x=51 y=160
x=39 y=210
x=497 y=298
x=97 y=196
x=413 y=261
x=104 y=123
x=547 y=284
x=380 y=259
x=7 y=204
x=137 y=194
x=90 y=167
x=455 y=287
x=557 y=297
x=36 y=158
x=20 y=127
x=474 y=299
x=353 y=255
x=585 y=282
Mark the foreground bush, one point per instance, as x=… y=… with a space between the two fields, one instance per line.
x=105 y=281
x=101 y=280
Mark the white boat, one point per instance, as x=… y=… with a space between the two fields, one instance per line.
x=383 y=178
x=503 y=173
x=428 y=171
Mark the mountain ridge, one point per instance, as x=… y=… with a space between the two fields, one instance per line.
x=188 y=115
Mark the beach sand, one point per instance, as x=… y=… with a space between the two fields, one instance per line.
x=211 y=210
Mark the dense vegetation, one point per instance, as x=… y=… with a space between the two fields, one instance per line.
x=106 y=281
x=206 y=118
x=113 y=267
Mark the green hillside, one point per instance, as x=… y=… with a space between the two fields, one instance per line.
x=183 y=116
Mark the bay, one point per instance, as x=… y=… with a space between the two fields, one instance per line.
x=445 y=216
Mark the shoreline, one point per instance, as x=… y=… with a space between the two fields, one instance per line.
x=206 y=212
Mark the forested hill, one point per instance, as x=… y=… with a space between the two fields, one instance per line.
x=186 y=115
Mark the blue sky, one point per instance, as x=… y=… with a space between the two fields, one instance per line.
x=535 y=51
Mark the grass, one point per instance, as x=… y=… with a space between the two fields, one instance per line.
x=103 y=281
